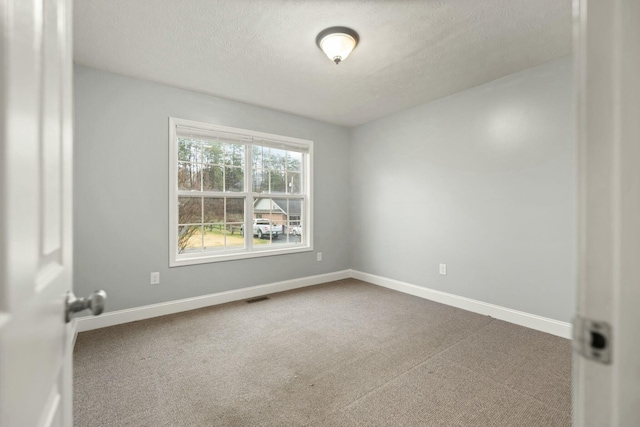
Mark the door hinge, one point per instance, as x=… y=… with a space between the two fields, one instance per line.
x=592 y=339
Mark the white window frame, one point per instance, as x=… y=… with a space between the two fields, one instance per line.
x=249 y=251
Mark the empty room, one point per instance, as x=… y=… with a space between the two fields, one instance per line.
x=319 y=213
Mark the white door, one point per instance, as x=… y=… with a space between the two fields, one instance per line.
x=35 y=212
x=608 y=82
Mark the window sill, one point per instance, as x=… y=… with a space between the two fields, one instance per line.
x=207 y=258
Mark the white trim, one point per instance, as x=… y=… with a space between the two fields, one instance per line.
x=206 y=257
x=307 y=225
x=544 y=324
x=608 y=131
x=173 y=191
x=154 y=310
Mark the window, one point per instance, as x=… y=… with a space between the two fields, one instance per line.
x=236 y=193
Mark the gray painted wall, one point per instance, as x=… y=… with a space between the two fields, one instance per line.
x=482 y=181
x=121 y=191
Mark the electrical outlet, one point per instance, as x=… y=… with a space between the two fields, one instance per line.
x=319 y=256
x=155 y=278
x=443 y=269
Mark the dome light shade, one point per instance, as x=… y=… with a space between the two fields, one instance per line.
x=337 y=42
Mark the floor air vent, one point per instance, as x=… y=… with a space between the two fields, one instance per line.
x=249 y=301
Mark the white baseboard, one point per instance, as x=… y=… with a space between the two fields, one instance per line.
x=551 y=326
x=544 y=324
x=154 y=310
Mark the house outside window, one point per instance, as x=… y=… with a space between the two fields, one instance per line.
x=236 y=193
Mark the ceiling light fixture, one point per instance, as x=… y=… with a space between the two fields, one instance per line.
x=337 y=42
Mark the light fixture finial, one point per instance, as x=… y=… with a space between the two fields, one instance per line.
x=337 y=42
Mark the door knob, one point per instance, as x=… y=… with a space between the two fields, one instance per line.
x=95 y=303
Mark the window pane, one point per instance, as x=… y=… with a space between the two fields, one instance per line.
x=188 y=150
x=290 y=214
x=262 y=208
x=212 y=152
x=295 y=210
x=234 y=236
x=219 y=234
x=294 y=161
x=212 y=178
x=260 y=181
x=213 y=210
x=234 y=179
x=294 y=231
x=278 y=159
x=294 y=183
x=234 y=155
x=235 y=211
x=214 y=236
x=189 y=210
x=279 y=215
x=189 y=176
x=258 y=159
x=281 y=207
x=189 y=238
x=295 y=226
x=277 y=181
x=268 y=222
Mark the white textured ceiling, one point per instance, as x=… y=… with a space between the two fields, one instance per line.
x=264 y=52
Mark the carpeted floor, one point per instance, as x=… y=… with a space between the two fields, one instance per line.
x=345 y=353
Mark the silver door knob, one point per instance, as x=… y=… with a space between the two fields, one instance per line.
x=95 y=303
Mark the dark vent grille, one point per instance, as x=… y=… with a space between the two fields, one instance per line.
x=249 y=301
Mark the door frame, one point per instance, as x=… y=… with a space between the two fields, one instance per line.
x=607 y=35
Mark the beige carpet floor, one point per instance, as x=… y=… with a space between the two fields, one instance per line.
x=345 y=353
